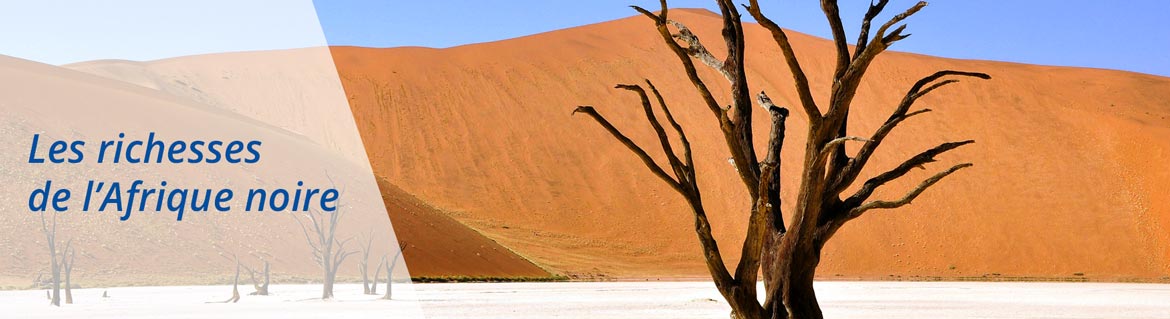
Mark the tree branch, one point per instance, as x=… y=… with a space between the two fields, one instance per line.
x=855 y=165
x=660 y=21
x=801 y=81
x=833 y=14
x=675 y=163
x=682 y=136
x=863 y=37
x=856 y=212
x=919 y=160
x=696 y=49
x=646 y=159
x=846 y=85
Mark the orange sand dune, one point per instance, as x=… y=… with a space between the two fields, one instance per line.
x=440 y=246
x=1070 y=172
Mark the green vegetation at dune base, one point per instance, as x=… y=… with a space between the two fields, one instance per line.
x=448 y=279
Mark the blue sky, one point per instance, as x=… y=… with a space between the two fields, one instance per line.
x=1125 y=35
x=65 y=31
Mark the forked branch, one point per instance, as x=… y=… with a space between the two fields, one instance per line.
x=641 y=153
x=856 y=212
x=799 y=78
x=901 y=113
x=917 y=161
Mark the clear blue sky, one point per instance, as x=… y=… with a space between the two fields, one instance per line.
x=65 y=31
x=1124 y=35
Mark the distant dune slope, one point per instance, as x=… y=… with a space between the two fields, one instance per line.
x=273 y=86
x=1070 y=172
x=441 y=246
x=152 y=248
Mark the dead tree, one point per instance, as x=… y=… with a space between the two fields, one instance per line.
x=235 y=285
x=67 y=258
x=363 y=265
x=50 y=232
x=377 y=272
x=390 y=264
x=328 y=251
x=786 y=254
x=261 y=289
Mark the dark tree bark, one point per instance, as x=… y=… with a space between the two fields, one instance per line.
x=787 y=255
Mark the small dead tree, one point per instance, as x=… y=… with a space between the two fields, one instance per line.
x=328 y=251
x=50 y=232
x=787 y=255
x=235 y=285
x=261 y=288
x=363 y=265
x=377 y=272
x=67 y=258
x=390 y=264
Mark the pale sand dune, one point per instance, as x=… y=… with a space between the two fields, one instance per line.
x=290 y=89
x=153 y=248
x=279 y=88
x=1070 y=175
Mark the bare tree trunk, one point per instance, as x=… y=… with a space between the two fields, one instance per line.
x=390 y=264
x=389 y=281
x=54 y=267
x=68 y=268
x=267 y=281
x=363 y=264
x=261 y=288
x=377 y=272
x=328 y=251
x=327 y=285
x=235 y=285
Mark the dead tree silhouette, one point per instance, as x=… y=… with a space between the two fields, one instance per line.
x=261 y=288
x=390 y=265
x=67 y=258
x=235 y=285
x=377 y=272
x=328 y=251
x=363 y=265
x=55 y=261
x=786 y=254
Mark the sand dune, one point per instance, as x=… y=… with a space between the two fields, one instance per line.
x=441 y=246
x=58 y=103
x=1069 y=176
x=229 y=83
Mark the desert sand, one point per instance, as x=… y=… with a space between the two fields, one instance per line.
x=1069 y=178
x=286 y=301
x=651 y=300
